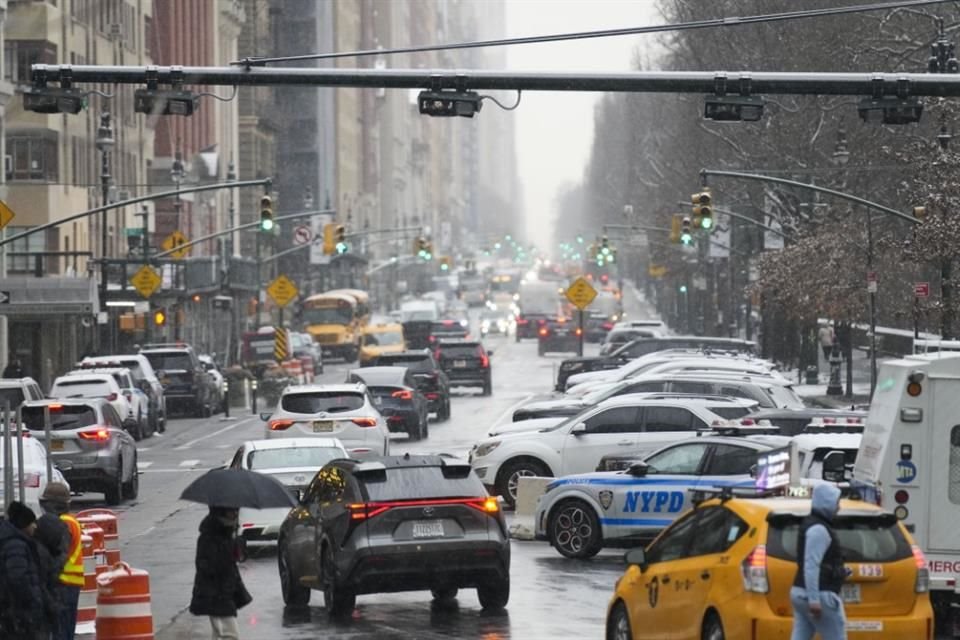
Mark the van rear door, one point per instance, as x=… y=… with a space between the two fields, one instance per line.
x=942 y=473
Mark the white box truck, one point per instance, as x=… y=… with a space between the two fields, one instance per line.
x=909 y=463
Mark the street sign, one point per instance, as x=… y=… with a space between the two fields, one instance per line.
x=580 y=293
x=872 y=281
x=146 y=281
x=283 y=291
x=302 y=235
x=172 y=243
x=921 y=289
x=656 y=271
x=6 y=214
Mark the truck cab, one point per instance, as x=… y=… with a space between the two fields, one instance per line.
x=909 y=463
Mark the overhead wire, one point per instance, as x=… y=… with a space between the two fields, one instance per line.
x=603 y=33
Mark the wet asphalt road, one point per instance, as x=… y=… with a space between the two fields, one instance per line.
x=551 y=597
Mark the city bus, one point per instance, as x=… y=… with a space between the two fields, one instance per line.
x=335 y=320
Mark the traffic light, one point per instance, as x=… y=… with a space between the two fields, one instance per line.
x=160 y=317
x=703 y=209
x=329 y=239
x=445 y=263
x=683 y=288
x=920 y=213
x=266 y=214
x=424 y=248
x=340 y=237
x=686 y=233
x=675 y=222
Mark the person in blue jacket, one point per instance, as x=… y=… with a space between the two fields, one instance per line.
x=815 y=595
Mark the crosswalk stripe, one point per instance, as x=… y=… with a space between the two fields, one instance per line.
x=189 y=463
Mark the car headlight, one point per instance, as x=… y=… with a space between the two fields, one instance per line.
x=486 y=448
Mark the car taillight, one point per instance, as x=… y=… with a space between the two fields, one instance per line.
x=922 y=585
x=364 y=422
x=97 y=435
x=402 y=395
x=578 y=331
x=484 y=361
x=607 y=326
x=541 y=322
x=754 y=571
x=544 y=331
x=432 y=339
x=522 y=321
x=367 y=510
x=279 y=425
x=112 y=397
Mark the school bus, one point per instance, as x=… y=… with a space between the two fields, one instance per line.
x=336 y=319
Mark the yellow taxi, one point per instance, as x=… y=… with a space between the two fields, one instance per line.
x=724 y=571
x=378 y=339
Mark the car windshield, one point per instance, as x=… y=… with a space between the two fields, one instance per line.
x=170 y=360
x=383 y=338
x=80 y=389
x=292 y=457
x=321 y=401
x=785 y=397
x=11 y=397
x=328 y=315
x=62 y=417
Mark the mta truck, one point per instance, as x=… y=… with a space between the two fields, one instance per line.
x=909 y=463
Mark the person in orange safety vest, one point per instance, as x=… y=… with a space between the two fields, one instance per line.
x=55 y=501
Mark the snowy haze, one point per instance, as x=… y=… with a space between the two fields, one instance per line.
x=554 y=131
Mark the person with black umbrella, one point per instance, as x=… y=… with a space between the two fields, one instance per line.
x=218 y=589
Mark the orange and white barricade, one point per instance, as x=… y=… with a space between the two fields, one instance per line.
x=123 y=604
x=87 y=606
x=294 y=369
x=106 y=520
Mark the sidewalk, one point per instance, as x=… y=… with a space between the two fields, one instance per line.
x=816 y=395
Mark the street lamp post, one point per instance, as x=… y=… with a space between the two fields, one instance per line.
x=231 y=212
x=104 y=143
x=177 y=173
x=840 y=158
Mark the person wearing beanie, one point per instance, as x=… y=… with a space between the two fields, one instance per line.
x=25 y=609
x=53 y=539
x=67 y=558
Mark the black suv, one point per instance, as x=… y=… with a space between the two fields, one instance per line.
x=186 y=385
x=643 y=346
x=396 y=397
x=466 y=364
x=395 y=523
x=558 y=334
x=431 y=379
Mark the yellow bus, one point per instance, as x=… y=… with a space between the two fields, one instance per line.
x=335 y=320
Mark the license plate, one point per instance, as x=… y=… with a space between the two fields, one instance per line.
x=850 y=593
x=322 y=426
x=865 y=625
x=459 y=364
x=427 y=529
x=56 y=445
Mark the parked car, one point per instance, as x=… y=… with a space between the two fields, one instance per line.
x=431 y=380
x=185 y=382
x=466 y=363
x=740 y=557
x=14 y=391
x=144 y=377
x=136 y=420
x=793 y=421
x=293 y=462
x=34 y=472
x=89 y=444
x=343 y=411
x=399 y=523
x=395 y=394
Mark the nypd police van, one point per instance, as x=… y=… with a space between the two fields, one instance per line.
x=909 y=463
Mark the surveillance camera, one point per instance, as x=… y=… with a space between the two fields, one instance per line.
x=86 y=321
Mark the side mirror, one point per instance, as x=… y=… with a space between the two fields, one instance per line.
x=834 y=466
x=160 y=374
x=636 y=556
x=639 y=469
x=265 y=416
x=753 y=470
x=579 y=429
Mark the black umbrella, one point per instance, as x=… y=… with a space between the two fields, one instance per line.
x=238 y=488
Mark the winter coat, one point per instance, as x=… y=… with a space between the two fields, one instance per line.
x=218 y=589
x=25 y=603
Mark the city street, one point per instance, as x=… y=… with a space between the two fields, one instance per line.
x=550 y=596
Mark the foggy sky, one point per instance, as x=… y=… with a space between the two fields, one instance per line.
x=554 y=131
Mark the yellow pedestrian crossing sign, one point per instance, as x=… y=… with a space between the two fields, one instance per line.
x=581 y=293
x=283 y=291
x=173 y=242
x=146 y=281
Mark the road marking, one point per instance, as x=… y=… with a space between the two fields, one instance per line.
x=142 y=449
x=143 y=465
x=189 y=463
x=215 y=433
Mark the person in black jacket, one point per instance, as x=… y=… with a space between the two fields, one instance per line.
x=25 y=607
x=218 y=590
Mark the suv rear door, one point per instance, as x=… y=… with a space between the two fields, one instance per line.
x=611 y=430
x=458 y=357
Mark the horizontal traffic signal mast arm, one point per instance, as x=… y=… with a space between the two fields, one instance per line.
x=706 y=82
x=745 y=218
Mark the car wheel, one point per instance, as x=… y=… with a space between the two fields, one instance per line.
x=338 y=600
x=131 y=489
x=618 y=624
x=574 y=529
x=113 y=490
x=425 y=426
x=143 y=427
x=415 y=432
x=712 y=628
x=446 y=593
x=293 y=592
x=494 y=595
x=133 y=428
x=488 y=387
x=508 y=480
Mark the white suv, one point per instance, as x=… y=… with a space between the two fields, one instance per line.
x=137 y=419
x=343 y=411
x=95 y=385
x=576 y=445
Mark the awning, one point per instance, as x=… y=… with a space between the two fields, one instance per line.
x=30 y=297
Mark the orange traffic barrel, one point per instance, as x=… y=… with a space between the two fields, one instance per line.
x=123 y=604
x=87 y=607
x=91 y=529
x=106 y=520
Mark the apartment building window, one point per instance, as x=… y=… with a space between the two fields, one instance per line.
x=34 y=156
x=147 y=35
x=32 y=243
x=80 y=10
x=20 y=54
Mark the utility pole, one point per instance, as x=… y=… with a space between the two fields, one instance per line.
x=145 y=248
x=176 y=172
x=104 y=143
